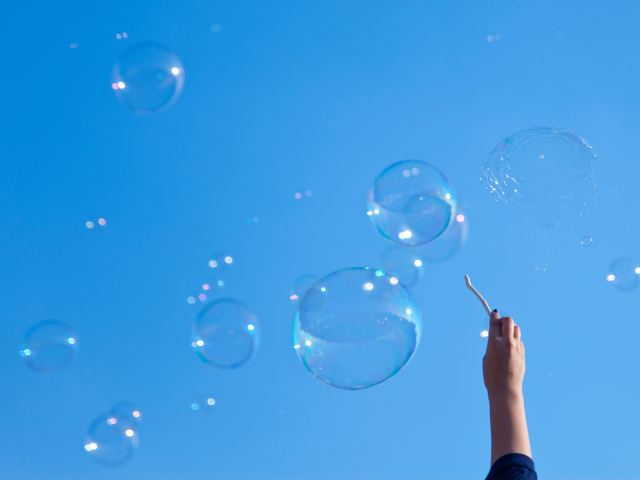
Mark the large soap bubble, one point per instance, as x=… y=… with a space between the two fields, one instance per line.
x=545 y=173
x=148 y=78
x=411 y=203
x=356 y=328
x=49 y=346
x=226 y=334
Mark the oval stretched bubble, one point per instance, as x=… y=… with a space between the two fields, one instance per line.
x=447 y=244
x=107 y=444
x=411 y=203
x=403 y=263
x=226 y=334
x=544 y=173
x=148 y=78
x=49 y=346
x=356 y=327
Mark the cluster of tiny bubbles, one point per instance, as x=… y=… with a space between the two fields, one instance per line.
x=73 y=45
x=300 y=287
x=491 y=38
x=226 y=334
x=221 y=262
x=624 y=274
x=411 y=203
x=447 y=244
x=102 y=222
x=49 y=346
x=216 y=28
x=121 y=36
x=544 y=173
x=218 y=265
x=404 y=263
x=586 y=241
x=251 y=220
x=356 y=327
x=112 y=437
x=303 y=194
x=148 y=78
x=202 y=404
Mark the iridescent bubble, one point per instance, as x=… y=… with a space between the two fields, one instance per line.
x=149 y=78
x=586 y=241
x=624 y=274
x=356 y=328
x=226 y=334
x=49 y=346
x=411 y=203
x=202 y=404
x=447 y=244
x=404 y=263
x=545 y=173
x=300 y=287
x=107 y=444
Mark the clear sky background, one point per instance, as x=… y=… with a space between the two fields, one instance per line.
x=318 y=95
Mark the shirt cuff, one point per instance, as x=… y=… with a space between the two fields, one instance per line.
x=510 y=460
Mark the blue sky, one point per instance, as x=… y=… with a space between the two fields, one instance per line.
x=320 y=96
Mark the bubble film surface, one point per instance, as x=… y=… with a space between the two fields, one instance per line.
x=411 y=203
x=148 y=78
x=226 y=334
x=403 y=263
x=356 y=328
x=49 y=346
x=544 y=173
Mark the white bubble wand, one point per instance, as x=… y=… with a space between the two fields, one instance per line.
x=477 y=294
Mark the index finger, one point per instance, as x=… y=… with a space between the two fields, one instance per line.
x=494 y=324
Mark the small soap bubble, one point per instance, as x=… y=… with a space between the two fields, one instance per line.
x=497 y=36
x=354 y=329
x=202 y=404
x=107 y=443
x=49 y=346
x=216 y=28
x=102 y=222
x=227 y=334
x=586 y=241
x=301 y=286
x=624 y=274
x=89 y=224
x=411 y=209
x=150 y=78
x=544 y=173
x=490 y=38
x=403 y=263
x=125 y=416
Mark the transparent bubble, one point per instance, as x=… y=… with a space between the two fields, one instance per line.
x=202 y=404
x=49 y=346
x=411 y=203
x=586 y=241
x=447 y=244
x=125 y=416
x=545 y=173
x=356 y=328
x=148 y=78
x=226 y=334
x=403 y=263
x=300 y=287
x=624 y=274
x=107 y=444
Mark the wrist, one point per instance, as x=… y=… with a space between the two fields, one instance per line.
x=505 y=393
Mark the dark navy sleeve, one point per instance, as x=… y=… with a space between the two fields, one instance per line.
x=513 y=466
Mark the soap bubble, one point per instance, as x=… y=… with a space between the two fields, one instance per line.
x=107 y=444
x=356 y=328
x=148 y=78
x=447 y=244
x=226 y=334
x=49 y=346
x=545 y=173
x=624 y=274
x=586 y=241
x=125 y=416
x=202 y=404
x=403 y=263
x=300 y=287
x=411 y=203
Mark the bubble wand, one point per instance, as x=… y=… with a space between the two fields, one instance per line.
x=477 y=294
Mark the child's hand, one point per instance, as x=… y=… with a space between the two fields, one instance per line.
x=503 y=364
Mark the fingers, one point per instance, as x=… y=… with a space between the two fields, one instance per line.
x=494 y=324
x=516 y=333
x=507 y=327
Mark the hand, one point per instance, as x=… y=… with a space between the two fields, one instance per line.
x=503 y=364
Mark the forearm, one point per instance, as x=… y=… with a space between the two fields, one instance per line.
x=509 y=432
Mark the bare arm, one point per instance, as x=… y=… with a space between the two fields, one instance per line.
x=503 y=368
